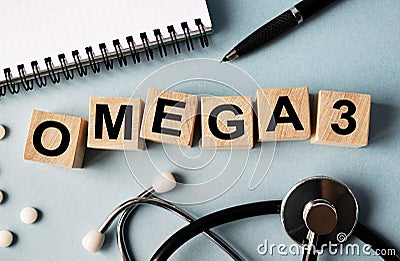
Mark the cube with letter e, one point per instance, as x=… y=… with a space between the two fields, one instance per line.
x=169 y=117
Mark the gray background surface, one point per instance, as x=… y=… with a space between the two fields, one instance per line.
x=351 y=47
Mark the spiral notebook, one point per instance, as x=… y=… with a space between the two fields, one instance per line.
x=47 y=41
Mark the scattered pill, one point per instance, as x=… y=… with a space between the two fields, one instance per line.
x=6 y=238
x=1 y=196
x=2 y=132
x=28 y=215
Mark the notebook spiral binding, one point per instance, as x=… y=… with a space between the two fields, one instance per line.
x=79 y=67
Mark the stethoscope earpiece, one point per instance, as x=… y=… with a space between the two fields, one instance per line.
x=162 y=183
x=93 y=241
x=319 y=211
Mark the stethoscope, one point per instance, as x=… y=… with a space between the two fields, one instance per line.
x=316 y=212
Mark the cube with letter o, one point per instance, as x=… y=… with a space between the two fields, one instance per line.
x=56 y=139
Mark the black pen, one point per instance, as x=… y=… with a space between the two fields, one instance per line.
x=278 y=26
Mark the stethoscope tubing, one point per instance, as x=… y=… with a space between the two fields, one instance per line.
x=212 y=220
x=123 y=250
x=251 y=210
x=369 y=237
x=129 y=204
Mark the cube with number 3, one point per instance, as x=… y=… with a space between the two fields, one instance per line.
x=341 y=119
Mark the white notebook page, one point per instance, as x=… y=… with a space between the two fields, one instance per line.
x=34 y=30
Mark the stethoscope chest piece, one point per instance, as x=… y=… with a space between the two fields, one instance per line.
x=319 y=209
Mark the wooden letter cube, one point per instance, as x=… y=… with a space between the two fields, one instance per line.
x=56 y=139
x=283 y=114
x=342 y=119
x=169 y=117
x=114 y=123
x=227 y=122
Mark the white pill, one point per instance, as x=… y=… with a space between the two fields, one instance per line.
x=6 y=238
x=2 y=132
x=1 y=196
x=28 y=215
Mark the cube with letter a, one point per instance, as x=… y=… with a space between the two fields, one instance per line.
x=283 y=114
x=342 y=119
x=169 y=117
x=114 y=123
x=227 y=122
x=56 y=139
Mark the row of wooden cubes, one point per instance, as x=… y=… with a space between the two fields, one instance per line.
x=227 y=122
